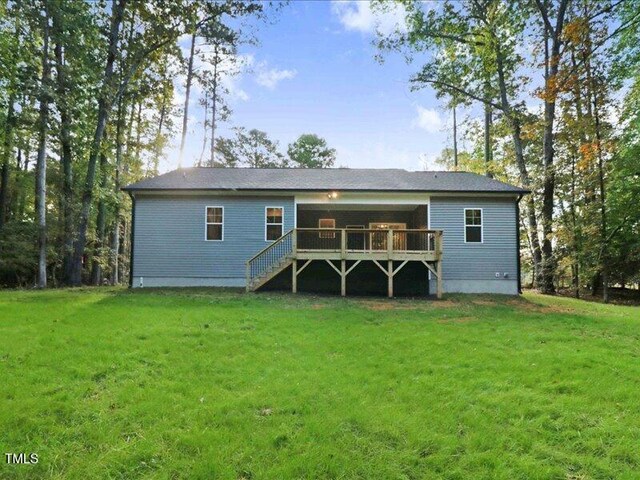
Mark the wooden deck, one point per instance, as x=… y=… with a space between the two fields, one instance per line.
x=301 y=246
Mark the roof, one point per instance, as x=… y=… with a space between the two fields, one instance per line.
x=310 y=179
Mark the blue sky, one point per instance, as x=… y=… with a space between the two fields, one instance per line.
x=314 y=71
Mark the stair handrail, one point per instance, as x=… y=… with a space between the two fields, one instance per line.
x=270 y=255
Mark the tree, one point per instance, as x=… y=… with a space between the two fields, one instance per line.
x=109 y=89
x=41 y=163
x=216 y=23
x=311 y=151
x=250 y=148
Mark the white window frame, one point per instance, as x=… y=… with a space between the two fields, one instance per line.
x=327 y=234
x=464 y=222
x=266 y=209
x=207 y=223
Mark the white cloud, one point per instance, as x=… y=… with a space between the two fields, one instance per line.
x=428 y=120
x=359 y=16
x=271 y=77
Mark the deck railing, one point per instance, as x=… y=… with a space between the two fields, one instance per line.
x=270 y=255
x=367 y=240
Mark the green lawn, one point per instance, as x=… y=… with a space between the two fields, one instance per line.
x=109 y=383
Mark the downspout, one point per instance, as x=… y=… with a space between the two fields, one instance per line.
x=133 y=236
x=518 y=242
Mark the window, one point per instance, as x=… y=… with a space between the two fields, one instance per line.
x=473 y=225
x=273 y=223
x=327 y=223
x=215 y=223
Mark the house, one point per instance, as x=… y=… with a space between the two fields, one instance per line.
x=345 y=230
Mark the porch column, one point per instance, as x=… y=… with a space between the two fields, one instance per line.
x=390 y=277
x=439 y=276
x=343 y=262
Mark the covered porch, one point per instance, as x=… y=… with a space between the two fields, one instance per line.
x=389 y=236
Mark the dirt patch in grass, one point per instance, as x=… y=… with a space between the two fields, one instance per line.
x=457 y=320
x=378 y=306
x=527 y=306
x=406 y=305
x=484 y=302
x=444 y=304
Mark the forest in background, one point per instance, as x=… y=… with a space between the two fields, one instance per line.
x=87 y=105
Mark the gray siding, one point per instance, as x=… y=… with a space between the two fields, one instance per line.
x=170 y=246
x=470 y=267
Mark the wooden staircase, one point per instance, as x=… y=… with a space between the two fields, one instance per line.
x=258 y=281
x=269 y=262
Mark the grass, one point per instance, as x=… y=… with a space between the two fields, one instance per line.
x=109 y=383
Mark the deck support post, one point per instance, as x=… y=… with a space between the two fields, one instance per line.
x=294 y=276
x=390 y=277
x=343 y=278
x=439 y=263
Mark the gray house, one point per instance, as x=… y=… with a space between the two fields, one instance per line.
x=340 y=230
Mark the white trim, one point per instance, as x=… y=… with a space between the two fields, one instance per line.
x=363 y=198
x=464 y=222
x=207 y=223
x=265 y=222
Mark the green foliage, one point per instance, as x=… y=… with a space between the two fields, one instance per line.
x=311 y=151
x=250 y=148
x=18 y=254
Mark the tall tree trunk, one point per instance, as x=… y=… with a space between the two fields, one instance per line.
x=7 y=149
x=525 y=179
x=214 y=104
x=101 y=221
x=552 y=65
x=41 y=164
x=187 y=93
x=138 y=145
x=455 y=138
x=65 y=157
x=488 y=114
x=117 y=9
x=575 y=243
x=576 y=225
x=604 y=249
x=115 y=236
x=204 y=131
x=158 y=150
x=22 y=195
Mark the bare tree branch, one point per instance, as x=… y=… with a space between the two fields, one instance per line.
x=421 y=78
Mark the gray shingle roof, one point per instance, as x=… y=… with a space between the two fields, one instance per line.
x=299 y=179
